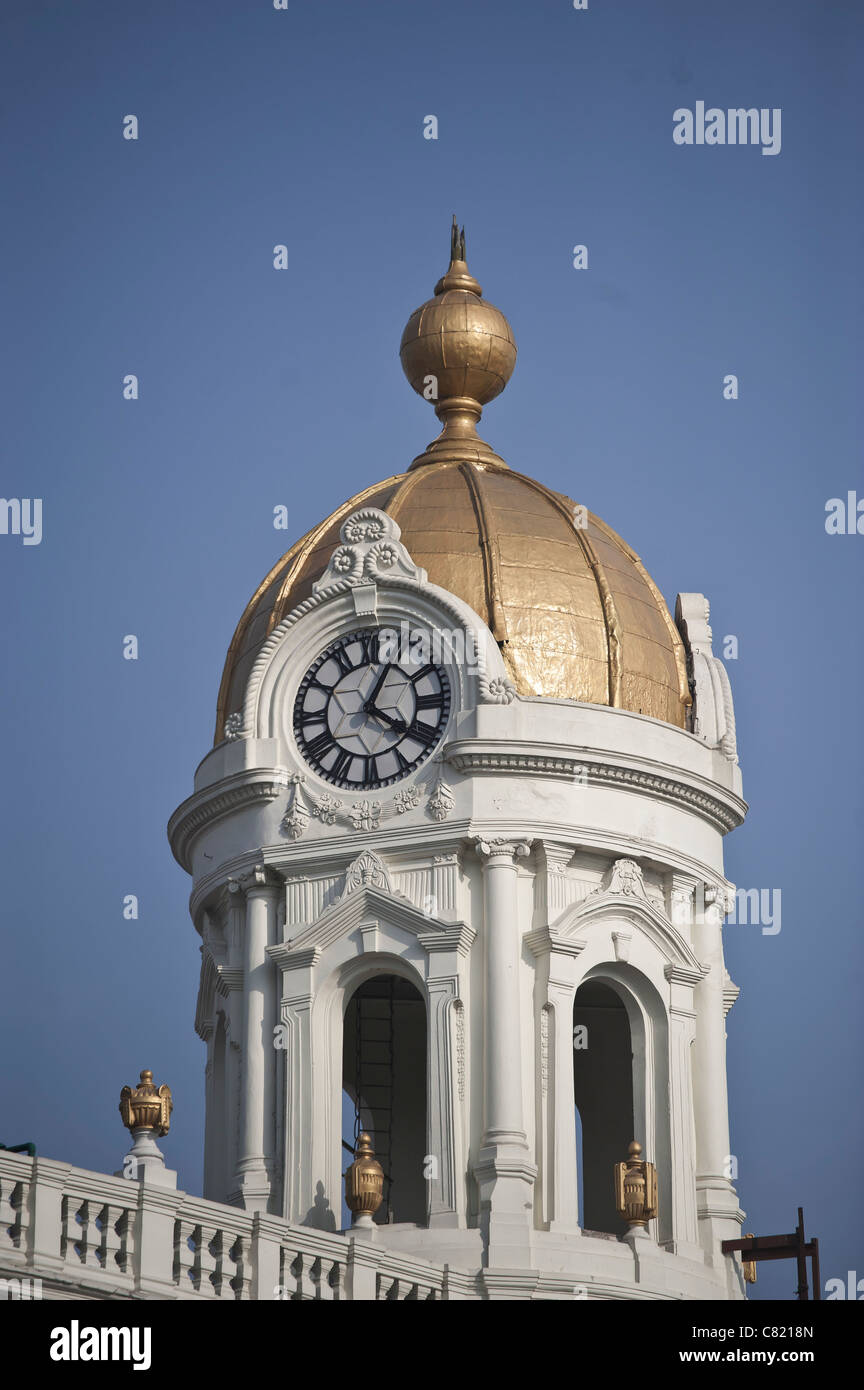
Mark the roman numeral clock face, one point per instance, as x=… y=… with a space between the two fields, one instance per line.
x=366 y=715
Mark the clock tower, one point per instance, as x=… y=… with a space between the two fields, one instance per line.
x=457 y=862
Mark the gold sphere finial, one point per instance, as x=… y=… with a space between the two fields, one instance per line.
x=458 y=352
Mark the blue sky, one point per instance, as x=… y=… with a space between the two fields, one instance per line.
x=260 y=388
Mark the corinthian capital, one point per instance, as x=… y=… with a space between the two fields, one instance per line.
x=257 y=877
x=500 y=848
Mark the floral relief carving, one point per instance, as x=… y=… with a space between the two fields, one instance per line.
x=406 y=799
x=234 y=725
x=325 y=808
x=370 y=545
x=365 y=815
x=296 y=817
x=442 y=801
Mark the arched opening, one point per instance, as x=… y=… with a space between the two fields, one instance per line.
x=384 y=1085
x=603 y=1087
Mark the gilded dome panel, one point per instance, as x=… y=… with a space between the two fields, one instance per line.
x=573 y=610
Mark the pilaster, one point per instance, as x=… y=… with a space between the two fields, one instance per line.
x=716 y=1200
x=682 y=1027
x=503 y=1170
x=557 y=1158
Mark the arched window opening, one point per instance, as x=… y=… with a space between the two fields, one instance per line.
x=603 y=1087
x=384 y=1076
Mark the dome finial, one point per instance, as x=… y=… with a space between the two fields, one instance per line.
x=458 y=352
x=457 y=242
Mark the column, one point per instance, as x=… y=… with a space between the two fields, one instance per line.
x=716 y=1199
x=505 y=1175
x=230 y=987
x=258 y=1091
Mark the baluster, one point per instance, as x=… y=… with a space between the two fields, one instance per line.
x=13 y=1213
x=335 y=1282
x=187 y=1266
x=101 y=1228
x=210 y=1262
x=237 y=1286
x=117 y=1240
x=301 y=1271
x=79 y=1228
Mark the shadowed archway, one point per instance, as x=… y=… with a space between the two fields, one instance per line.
x=384 y=1076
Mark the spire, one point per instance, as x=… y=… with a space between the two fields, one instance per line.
x=457 y=242
x=458 y=352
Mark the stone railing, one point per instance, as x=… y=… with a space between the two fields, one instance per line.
x=89 y=1235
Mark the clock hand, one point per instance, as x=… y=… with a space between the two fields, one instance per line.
x=369 y=705
x=398 y=724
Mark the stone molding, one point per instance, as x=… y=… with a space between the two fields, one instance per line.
x=234 y=793
x=722 y=808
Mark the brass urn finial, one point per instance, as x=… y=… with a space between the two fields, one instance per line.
x=636 y=1190
x=364 y=1183
x=146 y=1107
x=458 y=352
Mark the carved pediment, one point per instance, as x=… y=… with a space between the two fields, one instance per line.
x=623 y=877
x=369 y=551
x=366 y=906
x=622 y=897
x=367 y=871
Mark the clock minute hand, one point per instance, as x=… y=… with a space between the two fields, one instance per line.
x=369 y=705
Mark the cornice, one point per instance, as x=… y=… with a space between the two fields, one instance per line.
x=660 y=781
x=685 y=975
x=730 y=994
x=289 y=958
x=228 y=977
x=230 y=794
x=544 y=941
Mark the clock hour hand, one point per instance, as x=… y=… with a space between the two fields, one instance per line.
x=369 y=705
x=398 y=724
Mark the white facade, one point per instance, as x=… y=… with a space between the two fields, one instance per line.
x=555 y=870
x=548 y=846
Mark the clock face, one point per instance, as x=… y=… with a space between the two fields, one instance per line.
x=366 y=714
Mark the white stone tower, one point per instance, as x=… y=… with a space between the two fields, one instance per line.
x=458 y=856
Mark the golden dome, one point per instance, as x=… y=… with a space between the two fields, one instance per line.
x=573 y=610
